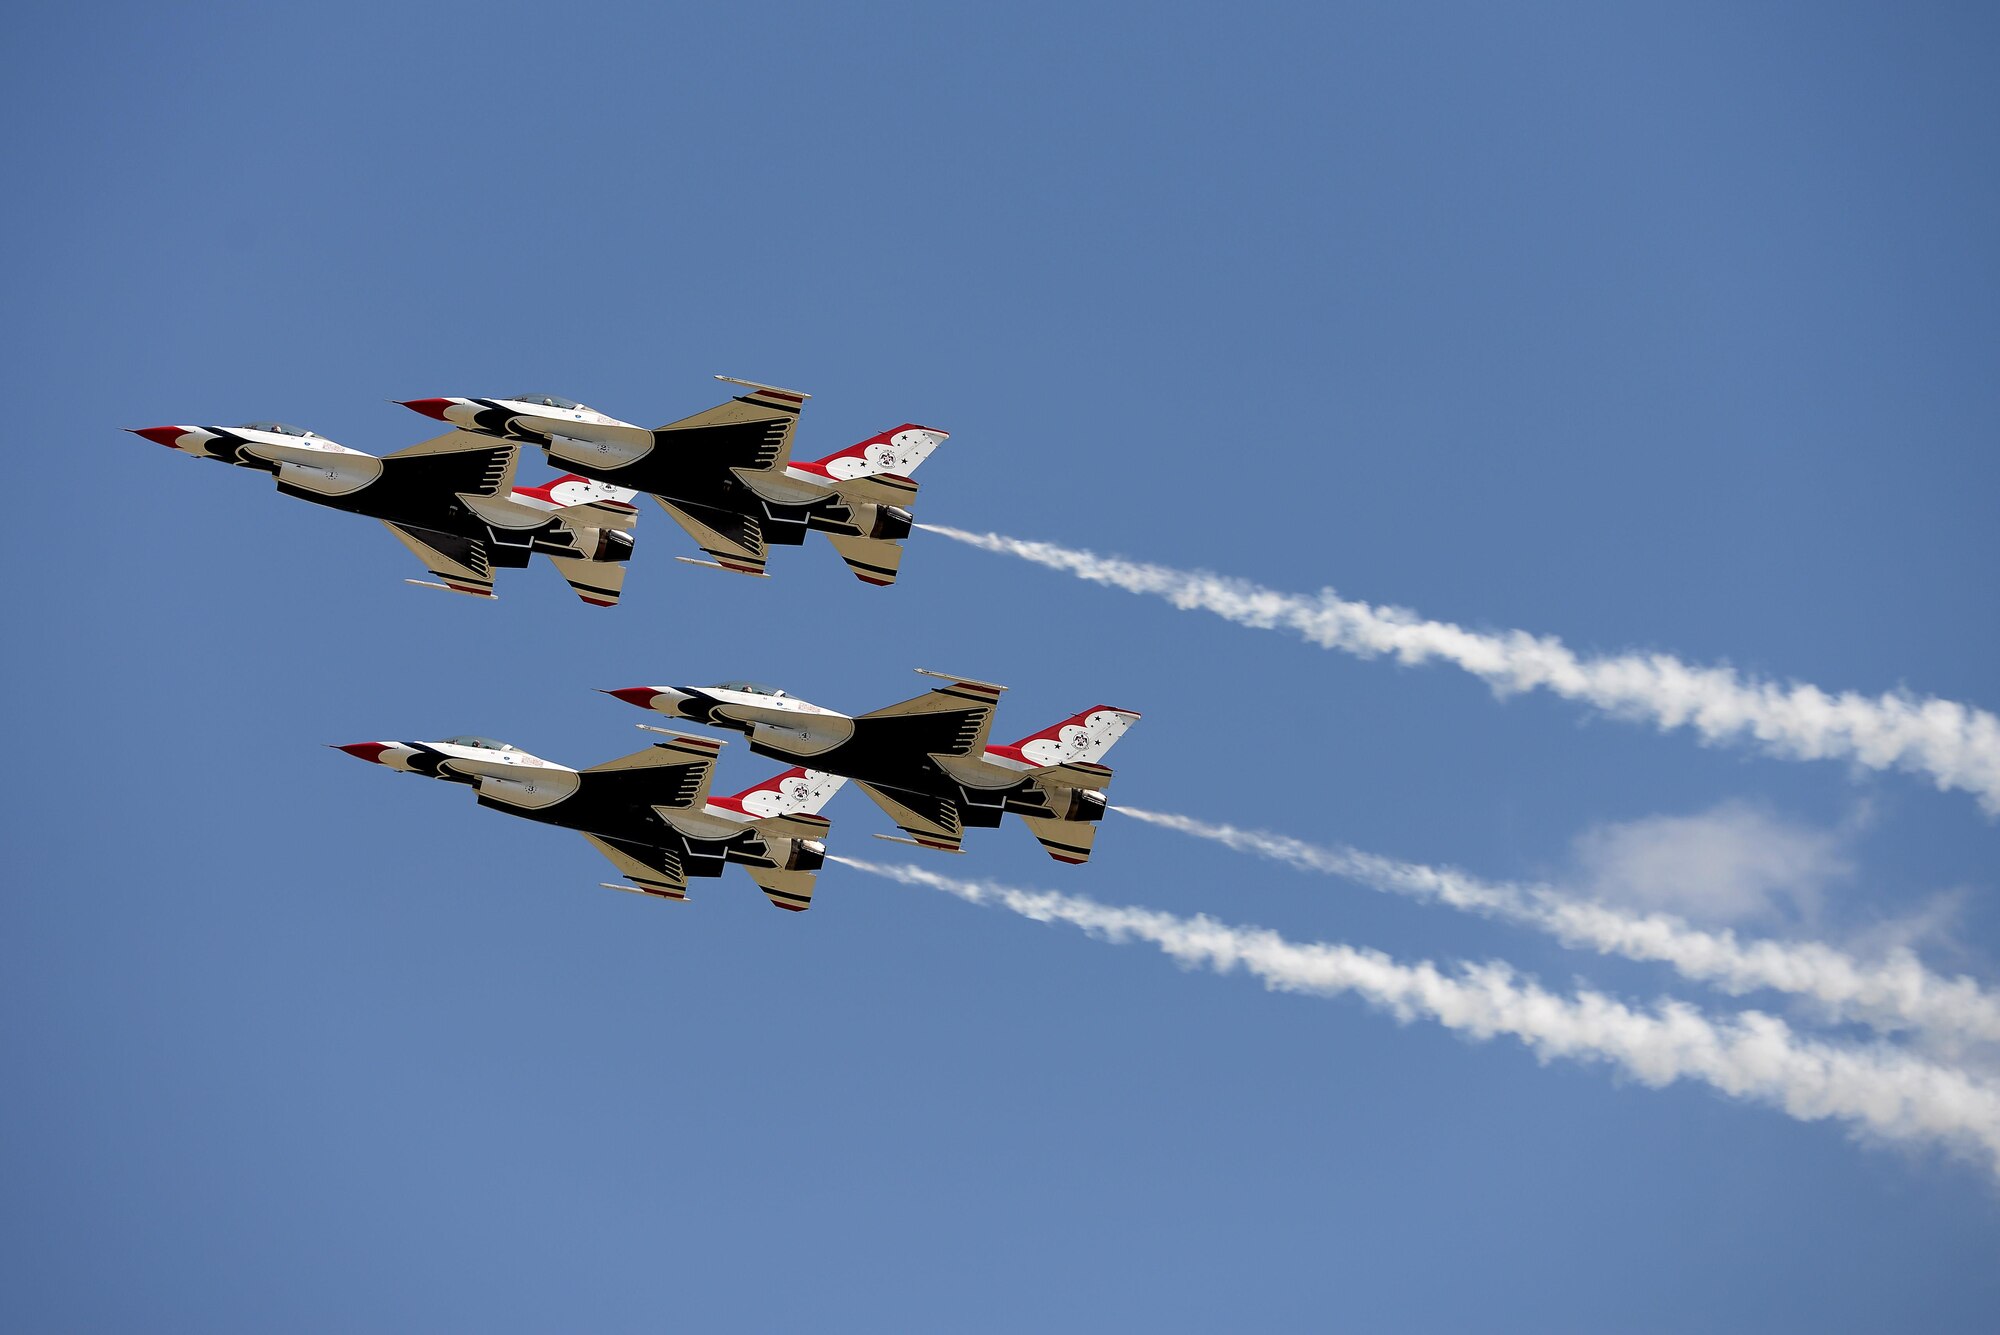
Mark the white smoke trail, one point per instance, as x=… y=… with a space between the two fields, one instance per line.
x=1877 y=1089
x=1956 y=745
x=1898 y=993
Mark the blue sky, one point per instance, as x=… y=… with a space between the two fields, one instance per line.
x=1667 y=331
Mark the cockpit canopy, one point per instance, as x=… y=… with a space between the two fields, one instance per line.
x=481 y=743
x=277 y=428
x=749 y=688
x=547 y=401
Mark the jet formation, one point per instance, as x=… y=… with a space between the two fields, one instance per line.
x=726 y=475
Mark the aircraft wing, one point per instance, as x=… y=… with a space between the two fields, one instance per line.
x=670 y=776
x=953 y=720
x=752 y=433
x=650 y=869
x=596 y=582
x=457 y=461
x=931 y=821
x=735 y=540
x=463 y=564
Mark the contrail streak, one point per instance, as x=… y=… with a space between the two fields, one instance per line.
x=1878 y=1089
x=1898 y=993
x=1956 y=745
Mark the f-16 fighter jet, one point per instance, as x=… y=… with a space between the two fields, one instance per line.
x=927 y=761
x=727 y=475
x=450 y=500
x=649 y=813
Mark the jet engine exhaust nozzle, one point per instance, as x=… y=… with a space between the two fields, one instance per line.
x=807 y=855
x=892 y=522
x=613 y=545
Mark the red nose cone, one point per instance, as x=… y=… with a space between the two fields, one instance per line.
x=641 y=696
x=428 y=407
x=369 y=751
x=159 y=435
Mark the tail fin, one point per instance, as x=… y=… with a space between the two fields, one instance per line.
x=796 y=792
x=897 y=452
x=581 y=500
x=1079 y=739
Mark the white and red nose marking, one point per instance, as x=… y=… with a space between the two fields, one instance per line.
x=393 y=754
x=169 y=436
x=438 y=408
x=663 y=698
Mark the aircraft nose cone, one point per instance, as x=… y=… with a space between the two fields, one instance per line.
x=168 y=436
x=641 y=696
x=428 y=407
x=369 y=751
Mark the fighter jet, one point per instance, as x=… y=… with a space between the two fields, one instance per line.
x=650 y=813
x=726 y=475
x=926 y=762
x=450 y=500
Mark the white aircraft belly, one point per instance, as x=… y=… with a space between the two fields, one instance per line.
x=327 y=472
x=801 y=733
x=519 y=785
x=592 y=442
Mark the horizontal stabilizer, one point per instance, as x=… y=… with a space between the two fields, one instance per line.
x=596 y=582
x=791 y=890
x=873 y=560
x=1066 y=840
